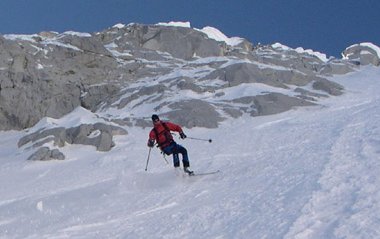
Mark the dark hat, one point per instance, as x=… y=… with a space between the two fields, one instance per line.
x=155 y=118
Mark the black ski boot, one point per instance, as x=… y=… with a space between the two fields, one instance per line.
x=188 y=171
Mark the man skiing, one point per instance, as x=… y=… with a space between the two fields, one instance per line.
x=161 y=134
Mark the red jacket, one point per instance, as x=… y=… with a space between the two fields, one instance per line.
x=163 y=137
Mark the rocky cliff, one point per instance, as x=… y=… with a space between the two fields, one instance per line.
x=179 y=72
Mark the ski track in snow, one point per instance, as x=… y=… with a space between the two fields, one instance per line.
x=307 y=173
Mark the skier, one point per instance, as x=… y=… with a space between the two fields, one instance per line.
x=161 y=134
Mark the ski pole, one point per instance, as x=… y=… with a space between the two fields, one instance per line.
x=163 y=154
x=147 y=161
x=209 y=140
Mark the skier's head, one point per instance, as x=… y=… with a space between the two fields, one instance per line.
x=155 y=118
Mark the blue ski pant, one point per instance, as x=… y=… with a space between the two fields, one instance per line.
x=176 y=149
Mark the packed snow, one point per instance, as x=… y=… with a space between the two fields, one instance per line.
x=310 y=172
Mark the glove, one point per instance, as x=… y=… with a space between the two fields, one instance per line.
x=150 y=143
x=182 y=135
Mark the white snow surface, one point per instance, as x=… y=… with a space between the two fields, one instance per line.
x=307 y=173
x=119 y=25
x=317 y=54
x=175 y=24
x=79 y=34
x=217 y=35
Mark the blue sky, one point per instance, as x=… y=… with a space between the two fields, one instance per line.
x=328 y=26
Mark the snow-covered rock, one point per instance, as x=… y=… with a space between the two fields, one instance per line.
x=133 y=70
x=363 y=53
x=99 y=135
x=45 y=154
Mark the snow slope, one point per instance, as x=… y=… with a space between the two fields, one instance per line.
x=307 y=173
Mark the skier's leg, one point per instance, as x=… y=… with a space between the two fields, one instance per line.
x=172 y=149
x=185 y=158
x=175 y=160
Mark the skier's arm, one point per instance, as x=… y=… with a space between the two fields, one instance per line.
x=174 y=127
x=177 y=128
x=151 y=139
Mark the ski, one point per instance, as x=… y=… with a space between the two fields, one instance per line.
x=204 y=173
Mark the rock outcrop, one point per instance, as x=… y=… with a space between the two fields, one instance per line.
x=175 y=71
x=99 y=135
x=46 y=154
x=363 y=54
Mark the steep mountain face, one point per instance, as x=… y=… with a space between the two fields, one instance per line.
x=130 y=71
